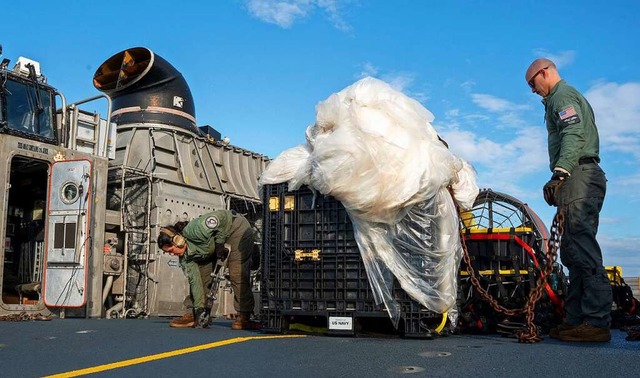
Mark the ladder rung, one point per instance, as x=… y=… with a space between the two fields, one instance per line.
x=86 y=139
x=140 y=232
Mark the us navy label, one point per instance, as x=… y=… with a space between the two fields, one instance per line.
x=341 y=323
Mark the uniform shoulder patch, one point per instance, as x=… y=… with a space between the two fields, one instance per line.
x=568 y=116
x=211 y=222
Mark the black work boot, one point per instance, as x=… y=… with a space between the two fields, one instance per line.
x=585 y=332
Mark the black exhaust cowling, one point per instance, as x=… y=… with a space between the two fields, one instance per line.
x=145 y=88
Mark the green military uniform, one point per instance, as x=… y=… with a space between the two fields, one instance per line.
x=574 y=146
x=202 y=234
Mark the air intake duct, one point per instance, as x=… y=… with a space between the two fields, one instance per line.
x=145 y=88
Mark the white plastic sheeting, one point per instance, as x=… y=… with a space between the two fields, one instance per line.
x=374 y=149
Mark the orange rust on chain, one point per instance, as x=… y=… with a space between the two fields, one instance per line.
x=530 y=333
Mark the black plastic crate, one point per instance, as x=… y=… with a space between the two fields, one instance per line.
x=412 y=324
x=305 y=221
x=312 y=267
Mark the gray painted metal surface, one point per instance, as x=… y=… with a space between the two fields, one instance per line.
x=68 y=233
x=13 y=146
x=175 y=155
x=189 y=175
x=45 y=348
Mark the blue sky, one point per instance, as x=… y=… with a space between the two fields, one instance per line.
x=257 y=69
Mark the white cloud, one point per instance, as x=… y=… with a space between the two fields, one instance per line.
x=611 y=220
x=630 y=181
x=511 y=120
x=401 y=81
x=470 y=146
x=333 y=8
x=508 y=113
x=489 y=102
x=468 y=85
x=285 y=13
x=452 y=113
x=405 y=83
x=561 y=59
x=472 y=119
x=625 y=184
x=281 y=13
x=621 y=251
x=617 y=110
x=507 y=160
x=495 y=104
x=502 y=165
x=368 y=69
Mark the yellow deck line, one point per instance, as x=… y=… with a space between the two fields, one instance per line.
x=159 y=356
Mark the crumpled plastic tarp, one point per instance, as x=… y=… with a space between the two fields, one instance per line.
x=373 y=148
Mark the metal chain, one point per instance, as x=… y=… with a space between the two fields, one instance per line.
x=530 y=333
x=633 y=333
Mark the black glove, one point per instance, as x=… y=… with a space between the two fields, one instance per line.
x=221 y=252
x=200 y=318
x=550 y=189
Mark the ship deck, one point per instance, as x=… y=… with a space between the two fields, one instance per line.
x=150 y=348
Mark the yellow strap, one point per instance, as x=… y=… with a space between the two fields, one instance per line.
x=490 y=272
x=501 y=230
x=444 y=321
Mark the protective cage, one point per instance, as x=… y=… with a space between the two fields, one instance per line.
x=313 y=272
x=507 y=246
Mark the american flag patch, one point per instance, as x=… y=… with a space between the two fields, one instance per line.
x=566 y=113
